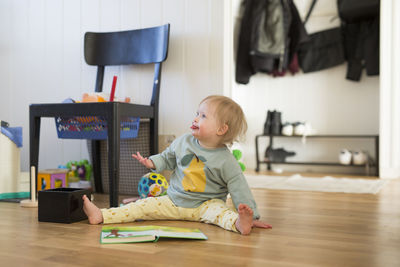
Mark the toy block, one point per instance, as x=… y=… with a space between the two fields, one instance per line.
x=62 y=205
x=52 y=178
x=58 y=180
x=43 y=181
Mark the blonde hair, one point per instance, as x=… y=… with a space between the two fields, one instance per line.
x=230 y=113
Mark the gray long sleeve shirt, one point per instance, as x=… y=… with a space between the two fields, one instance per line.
x=201 y=174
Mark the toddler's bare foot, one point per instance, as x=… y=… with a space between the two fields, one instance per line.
x=94 y=213
x=245 y=220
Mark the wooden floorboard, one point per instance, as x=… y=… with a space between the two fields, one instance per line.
x=309 y=229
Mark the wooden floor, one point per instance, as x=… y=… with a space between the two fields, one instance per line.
x=309 y=229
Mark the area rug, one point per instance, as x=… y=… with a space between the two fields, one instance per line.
x=320 y=184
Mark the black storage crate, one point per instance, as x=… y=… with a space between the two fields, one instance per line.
x=62 y=205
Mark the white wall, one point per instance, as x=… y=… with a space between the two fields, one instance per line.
x=41 y=51
x=332 y=104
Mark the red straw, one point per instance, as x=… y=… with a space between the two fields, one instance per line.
x=113 y=88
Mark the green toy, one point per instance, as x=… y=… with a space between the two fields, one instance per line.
x=81 y=169
x=238 y=155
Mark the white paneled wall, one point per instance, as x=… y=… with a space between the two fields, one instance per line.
x=41 y=52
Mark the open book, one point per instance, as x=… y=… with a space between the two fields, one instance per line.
x=150 y=233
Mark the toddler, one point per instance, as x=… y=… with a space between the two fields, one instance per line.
x=204 y=172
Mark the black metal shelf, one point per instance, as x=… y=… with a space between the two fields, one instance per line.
x=327 y=136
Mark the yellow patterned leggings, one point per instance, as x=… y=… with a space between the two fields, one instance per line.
x=213 y=211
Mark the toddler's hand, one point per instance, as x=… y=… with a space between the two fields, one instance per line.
x=144 y=161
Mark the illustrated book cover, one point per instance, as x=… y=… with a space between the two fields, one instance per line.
x=149 y=233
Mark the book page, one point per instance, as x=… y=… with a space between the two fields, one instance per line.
x=177 y=232
x=130 y=234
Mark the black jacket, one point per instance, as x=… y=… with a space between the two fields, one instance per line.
x=360 y=24
x=269 y=35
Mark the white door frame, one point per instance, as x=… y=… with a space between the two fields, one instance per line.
x=389 y=119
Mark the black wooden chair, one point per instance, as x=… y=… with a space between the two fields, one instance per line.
x=141 y=46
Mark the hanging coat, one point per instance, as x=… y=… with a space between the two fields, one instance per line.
x=269 y=34
x=360 y=24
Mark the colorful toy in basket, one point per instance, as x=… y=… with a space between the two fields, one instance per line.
x=95 y=97
x=152 y=185
x=81 y=169
x=101 y=97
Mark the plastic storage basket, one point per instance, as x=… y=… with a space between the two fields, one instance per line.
x=93 y=127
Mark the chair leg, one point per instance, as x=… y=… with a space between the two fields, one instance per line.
x=34 y=135
x=96 y=161
x=153 y=136
x=113 y=157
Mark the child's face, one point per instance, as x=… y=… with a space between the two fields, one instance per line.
x=205 y=126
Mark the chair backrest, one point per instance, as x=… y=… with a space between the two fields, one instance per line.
x=141 y=46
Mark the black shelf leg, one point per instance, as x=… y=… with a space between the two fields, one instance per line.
x=114 y=122
x=257 y=156
x=377 y=155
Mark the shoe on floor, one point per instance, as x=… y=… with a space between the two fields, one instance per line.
x=277 y=155
x=287 y=129
x=345 y=156
x=267 y=124
x=359 y=158
x=303 y=129
x=276 y=123
x=299 y=128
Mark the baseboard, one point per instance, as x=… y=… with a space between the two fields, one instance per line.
x=389 y=173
